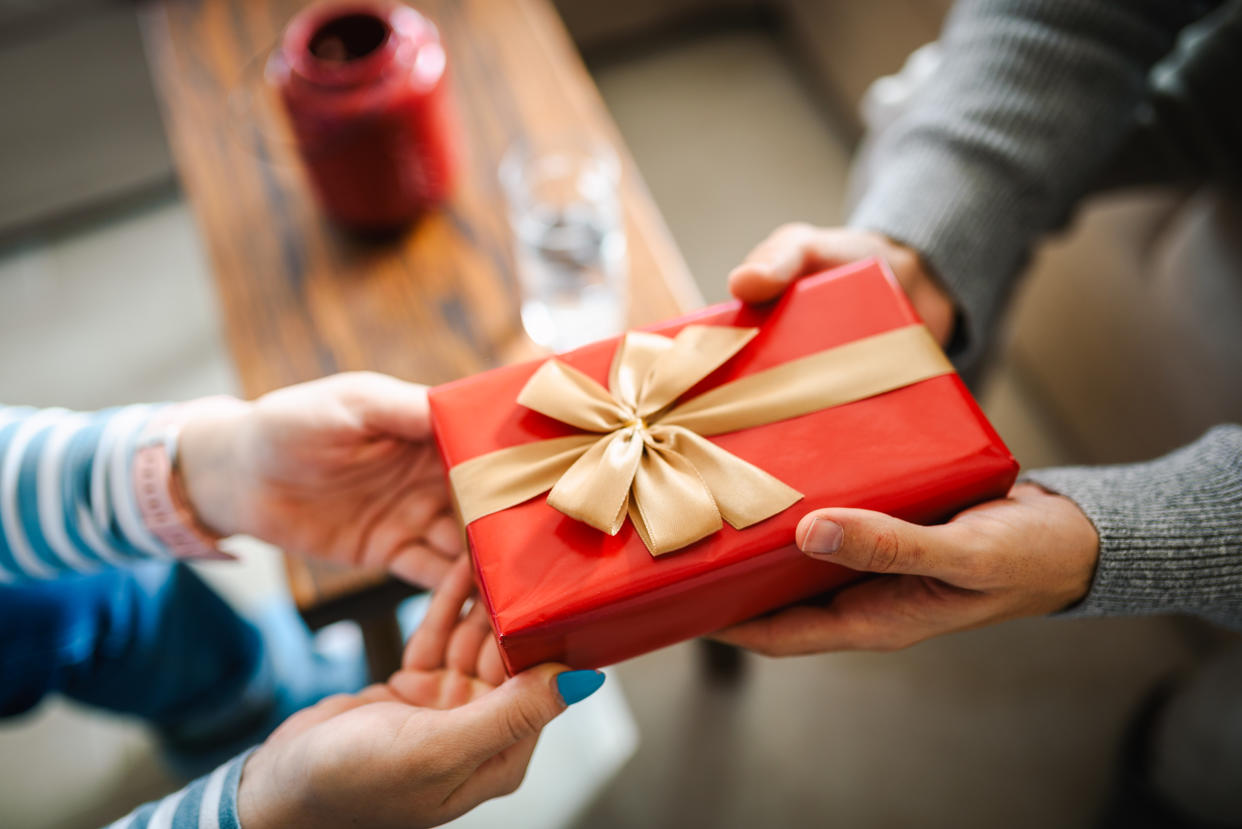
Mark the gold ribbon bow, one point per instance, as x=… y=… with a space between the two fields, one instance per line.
x=643 y=456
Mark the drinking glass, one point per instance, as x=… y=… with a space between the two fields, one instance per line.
x=569 y=239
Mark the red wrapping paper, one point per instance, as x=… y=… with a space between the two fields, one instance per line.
x=559 y=590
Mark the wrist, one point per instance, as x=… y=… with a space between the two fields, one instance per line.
x=1086 y=544
x=924 y=289
x=257 y=805
x=210 y=463
x=1074 y=538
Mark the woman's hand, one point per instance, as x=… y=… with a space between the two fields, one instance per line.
x=1029 y=554
x=444 y=734
x=341 y=469
x=796 y=250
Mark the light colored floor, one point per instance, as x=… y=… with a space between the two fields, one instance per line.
x=1011 y=726
x=119 y=309
x=729 y=144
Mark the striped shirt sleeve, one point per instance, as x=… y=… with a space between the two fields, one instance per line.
x=208 y=803
x=67 y=500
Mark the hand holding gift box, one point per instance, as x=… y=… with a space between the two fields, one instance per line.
x=729 y=416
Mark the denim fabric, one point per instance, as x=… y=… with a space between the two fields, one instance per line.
x=150 y=640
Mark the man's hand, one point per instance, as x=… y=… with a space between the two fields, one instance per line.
x=341 y=469
x=429 y=745
x=796 y=250
x=1029 y=554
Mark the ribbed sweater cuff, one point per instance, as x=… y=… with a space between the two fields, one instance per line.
x=967 y=230
x=1170 y=530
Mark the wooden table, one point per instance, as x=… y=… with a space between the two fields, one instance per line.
x=300 y=299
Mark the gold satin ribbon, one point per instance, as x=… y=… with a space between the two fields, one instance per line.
x=643 y=457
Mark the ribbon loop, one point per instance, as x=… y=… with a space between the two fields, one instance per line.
x=696 y=352
x=596 y=488
x=631 y=364
x=743 y=492
x=672 y=505
x=563 y=393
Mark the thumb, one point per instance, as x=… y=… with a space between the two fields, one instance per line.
x=522 y=706
x=792 y=251
x=772 y=264
x=877 y=543
x=388 y=405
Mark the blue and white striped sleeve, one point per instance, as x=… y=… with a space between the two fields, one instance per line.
x=208 y=803
x=67 y=500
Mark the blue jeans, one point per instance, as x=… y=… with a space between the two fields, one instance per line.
x=152 y=640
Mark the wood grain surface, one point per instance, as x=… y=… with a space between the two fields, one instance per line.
x=300 y=298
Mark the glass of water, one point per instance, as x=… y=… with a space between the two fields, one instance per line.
x=569 y=239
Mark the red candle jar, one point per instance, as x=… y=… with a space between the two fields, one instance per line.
x=364 y=87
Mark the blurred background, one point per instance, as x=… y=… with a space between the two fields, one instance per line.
x=740 y=115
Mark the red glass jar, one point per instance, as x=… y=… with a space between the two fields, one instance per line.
x=363 y=84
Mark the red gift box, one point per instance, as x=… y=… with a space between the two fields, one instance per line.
x=559 y=590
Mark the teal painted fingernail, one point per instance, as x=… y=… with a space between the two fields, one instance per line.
x=575 y=686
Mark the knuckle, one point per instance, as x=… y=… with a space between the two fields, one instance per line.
x=362 y=376
x=899 y=257
x=888 y=551
x=522 y=719
x=350 y=381
x=358 y=388
x=794 y=232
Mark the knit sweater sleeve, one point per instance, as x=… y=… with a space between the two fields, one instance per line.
x=1030 y=100
x=210 y=801
x=67 y=497
x=1170 y=530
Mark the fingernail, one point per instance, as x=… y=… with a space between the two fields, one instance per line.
x=575 y=686
x=823 y=537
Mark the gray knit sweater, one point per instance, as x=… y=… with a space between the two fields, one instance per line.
x=1033 y=100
